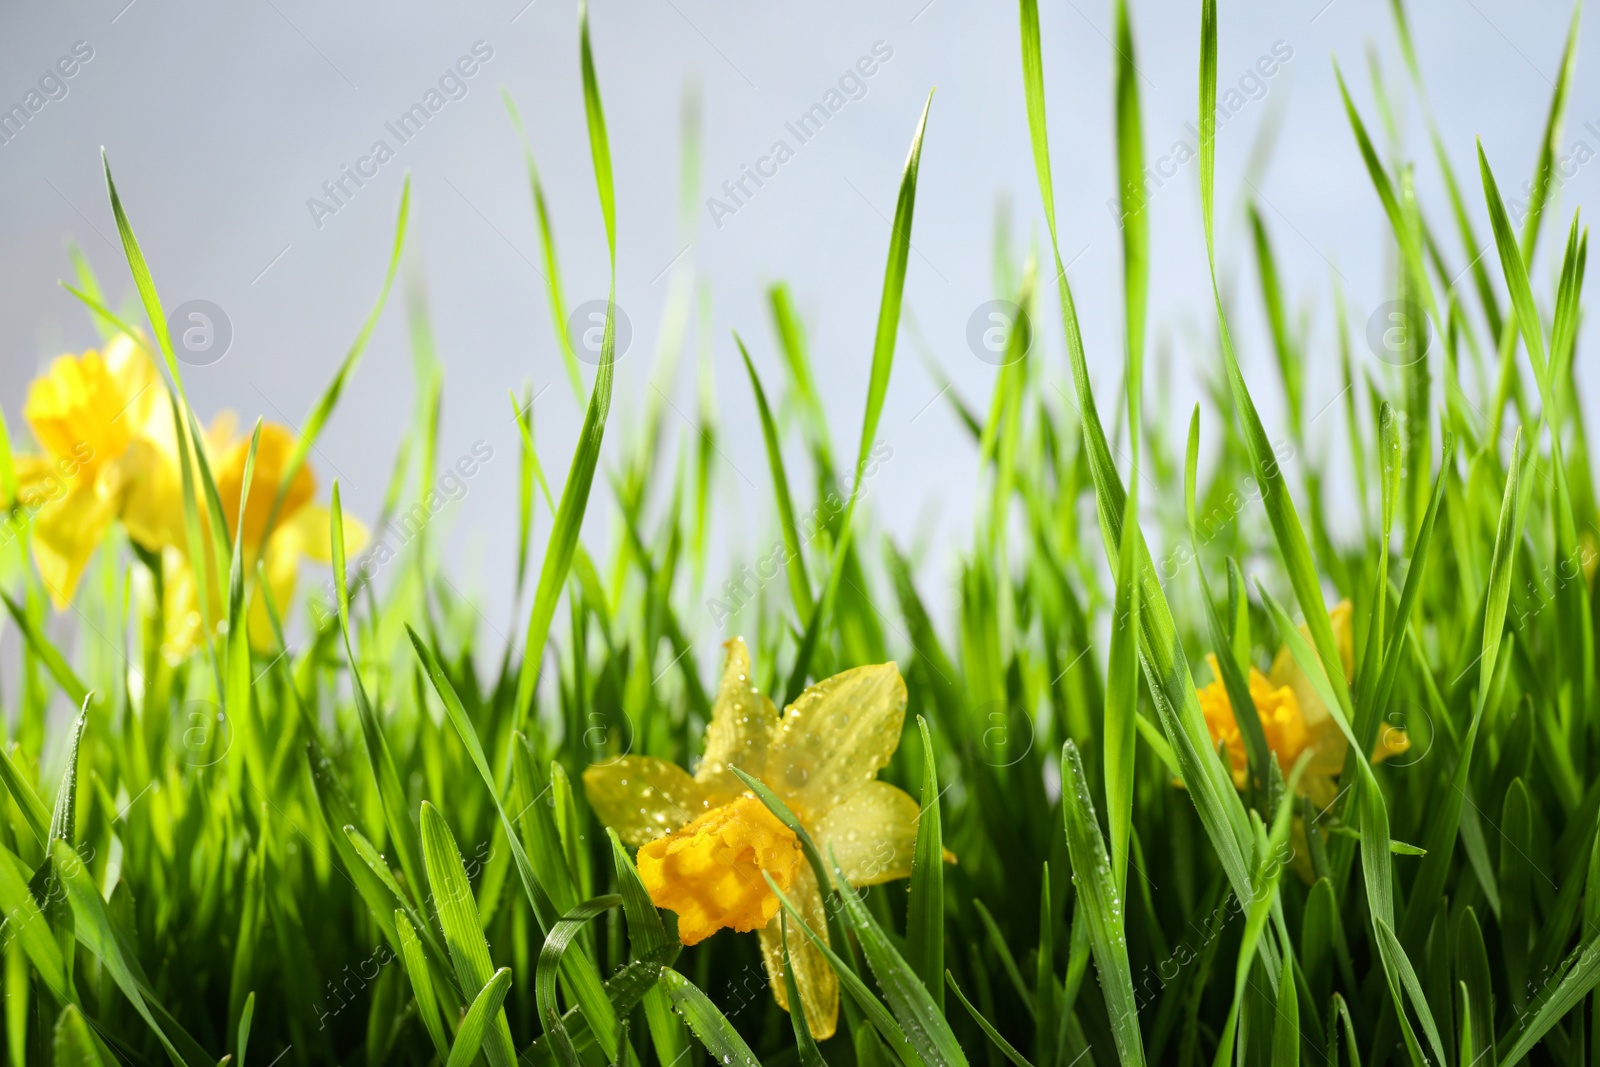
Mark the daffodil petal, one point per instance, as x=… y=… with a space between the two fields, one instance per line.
x=88 y=407
x=1285 y=671
x=835 y=738
x=813 y=976
x=272 y=458
x=742 y=723
x=148 y=486
x=66 y=531
x=643 y=798
x=313 y=524
x=282 y=566
x=872 y=835
x=180 y=607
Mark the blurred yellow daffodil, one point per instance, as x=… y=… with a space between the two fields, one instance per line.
x=705 y=842
x=100 y=421
x=1293 y=718
x=301 y=527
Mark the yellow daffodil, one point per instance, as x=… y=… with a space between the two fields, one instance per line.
x=705 y=842
x=301 y=528
x=99 y=419
x=1293 y=718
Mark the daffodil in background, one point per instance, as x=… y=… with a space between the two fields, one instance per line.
x=705 y=842
x=109 y=451
x=99 y=419
x=300 y=527
x=1293 y=718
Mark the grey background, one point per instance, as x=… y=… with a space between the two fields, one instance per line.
x=222 y=120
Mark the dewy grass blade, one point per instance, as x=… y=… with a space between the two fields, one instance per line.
x=561 y=936
x=1098 y=895
x=1167 y=671
x=810 y=1055
x=925 y=908
x=871 y=1007
x=457 y=913
x=580 y=969
x=416 y=964
x=475 y=1025
x=712 y=1027
x=925 y=1025
x=883 y=345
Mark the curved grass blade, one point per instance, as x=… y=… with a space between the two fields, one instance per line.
x=73 y=1043
x=1439 y=834
x=485 y=1007
x=396 y=808
x=26 y=923
x=1263 y=893
x=1122 y=694
x=1209 y=784
x=48 y=654
x=562 y=934
x=94 y=928
x=547 y=242
x=1223 y=643
x=580 y=969
x=713 y=1029
x=648 y=942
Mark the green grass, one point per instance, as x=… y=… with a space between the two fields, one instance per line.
x=370 y=847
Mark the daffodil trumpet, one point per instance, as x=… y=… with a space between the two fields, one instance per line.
x=713 y=852
x=1294 y=719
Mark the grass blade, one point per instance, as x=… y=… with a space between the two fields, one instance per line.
x=894 y=280
x=925 y=909
x=1102 y=904
x=475 y=1026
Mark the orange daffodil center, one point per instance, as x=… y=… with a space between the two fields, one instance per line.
x=706 y=846
x=1293 y=718
x=711 y=871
